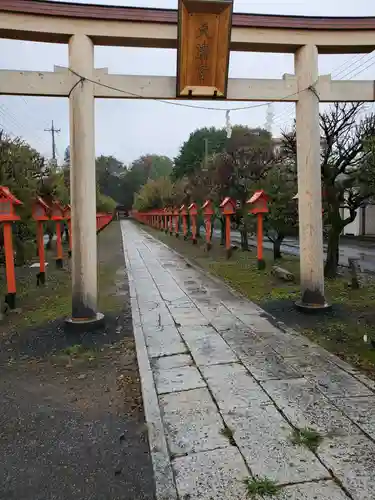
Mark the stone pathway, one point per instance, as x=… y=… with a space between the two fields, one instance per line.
x=224 y=388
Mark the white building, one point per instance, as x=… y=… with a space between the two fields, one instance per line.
x=363 y=224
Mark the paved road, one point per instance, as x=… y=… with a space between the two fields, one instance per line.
x=365 y=251
x=224 y=386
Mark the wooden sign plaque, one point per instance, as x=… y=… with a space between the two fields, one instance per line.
x=204 y=29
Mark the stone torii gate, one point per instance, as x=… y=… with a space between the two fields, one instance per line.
x=83 y=26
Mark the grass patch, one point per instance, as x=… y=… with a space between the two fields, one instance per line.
x=309 y=438
x=228 y=433
x=261 y=487
x=40 y=305
x=80 y=351
x=76 y=355
x=340 y=331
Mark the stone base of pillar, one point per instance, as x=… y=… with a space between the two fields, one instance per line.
x=228 y=253
x=312 y=308
x=84 y=325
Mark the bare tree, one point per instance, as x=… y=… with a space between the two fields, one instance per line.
x=347 y=169
x=248 y=157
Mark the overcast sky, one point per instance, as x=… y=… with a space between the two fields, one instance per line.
x=130 y=128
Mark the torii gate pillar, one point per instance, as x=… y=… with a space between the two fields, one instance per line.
x=309 y=181
x=82 y=185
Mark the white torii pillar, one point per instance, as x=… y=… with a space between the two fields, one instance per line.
x=82 y=184
x=309 y=181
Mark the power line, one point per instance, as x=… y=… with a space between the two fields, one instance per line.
x=347 y=72
x=9 y=117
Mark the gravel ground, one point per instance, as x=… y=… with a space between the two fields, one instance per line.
x=71 y=415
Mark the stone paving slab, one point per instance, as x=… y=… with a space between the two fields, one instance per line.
x=168 y=362
x=192 y=422
x=361 y=411
x=329 y=378
x=306 y=407
x=335 y=382
x=211 y=475
x=163 y=341
x=216 y=362
x=181 y=378
x=206 y=346
x=352 y=461
x=322 y=490
x=264 y=438
x=268 y=366
x=189 y=317
x=233 y=387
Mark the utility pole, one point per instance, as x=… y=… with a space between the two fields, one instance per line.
x=53 y=131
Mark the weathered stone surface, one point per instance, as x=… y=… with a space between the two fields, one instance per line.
x=165 y=488
x=268 y=366
x=189 y=317
x=288 y=345
x=163 y=341
x=306 y=407
x=240 y=307
x=365 y=380
x=211 y=475
x=174 y=361
x=158 y=316
x=171 y=292
x=310 y=362
x=336 y=382
x=263 y=437
x=352 y=461
x=239 y=336
x=322 y=490
x=330 y=378
x=180 y=304
x=259 y=324
x=361 y=410
x=182 y=378
x=223 y=321
x=192 y=422
x=206 y=346
x=233 y=387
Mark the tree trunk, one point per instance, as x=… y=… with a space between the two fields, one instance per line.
x=277 y=247
x=332 y=261
x=244 y=240
x=222 y=231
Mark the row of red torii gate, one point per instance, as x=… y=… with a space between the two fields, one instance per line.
x=168 y=219
x=41 y=213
